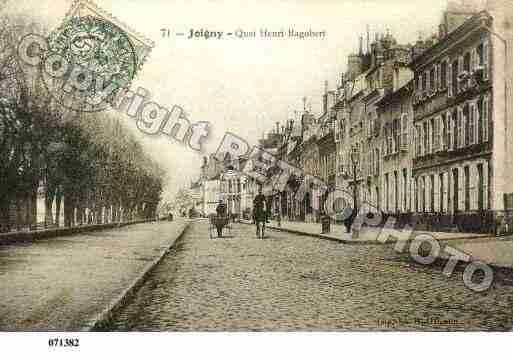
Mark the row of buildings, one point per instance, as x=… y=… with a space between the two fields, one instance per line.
x=420 y=131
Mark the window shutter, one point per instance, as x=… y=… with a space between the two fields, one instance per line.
x=463 y=125
x=429 y=137
x=440 y=133
x=485 y=115
x=450 y=135
x=436 y=136
x=459 y=123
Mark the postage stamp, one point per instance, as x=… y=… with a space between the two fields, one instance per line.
x=274 y=166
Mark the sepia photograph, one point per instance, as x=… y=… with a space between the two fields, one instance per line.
x=215 y=167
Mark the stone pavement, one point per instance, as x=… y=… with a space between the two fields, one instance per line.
x=291 y=282
x=496 y=251
x=65 y=283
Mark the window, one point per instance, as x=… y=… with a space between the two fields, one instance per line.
x=397 y=134
x=419 y=141
x=377 y=161
x=443 y=74
x=467 y=62
x=449 y=129
x=390 y=138
x=396 y=192
x=441 y=191
x=404 y=132
x=419 y=82
x=471 y=133
x=474 y=60
x=387 y=193
x=405 y=189
x=433 y=140
x=432 y=78
x=425 y=138
x=467 y=188
x=423 y=193
x=457 y=130
x=449 y=80
x=484 y=119
x=454 y=79
x=416 y=193
x=432 y=195
x=455 y=197
x=424 y=82
x=442 y=132
x=480 y=187
x=466 y=125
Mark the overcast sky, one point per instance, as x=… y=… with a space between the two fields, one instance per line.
x=245 y=86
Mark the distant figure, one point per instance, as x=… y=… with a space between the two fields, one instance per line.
x=260 y=213
x=221 y=212
x=348 y=221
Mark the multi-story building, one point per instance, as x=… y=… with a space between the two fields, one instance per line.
x=237 y=189
x=369 y=123
x=463 y=121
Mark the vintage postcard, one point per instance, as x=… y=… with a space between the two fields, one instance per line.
x=286 y=165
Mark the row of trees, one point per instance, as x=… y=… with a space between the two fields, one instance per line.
x=89 y=165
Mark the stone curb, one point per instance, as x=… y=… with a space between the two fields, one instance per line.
x=29 y=236
x=101 y=322
x=363 y=241
x=322 y=236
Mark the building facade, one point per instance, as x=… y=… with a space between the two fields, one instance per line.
x=417 y=131
x=461 y=124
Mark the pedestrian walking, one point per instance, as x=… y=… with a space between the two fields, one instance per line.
x=221 y=213
x=348 y=221
x=260 y=213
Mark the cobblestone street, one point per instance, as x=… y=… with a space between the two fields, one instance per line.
x=288 y=282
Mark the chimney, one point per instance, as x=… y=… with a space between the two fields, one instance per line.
x=277 y=128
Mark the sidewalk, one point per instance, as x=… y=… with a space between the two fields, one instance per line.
x=496 y=251
x=368 y=235
x=71 y=283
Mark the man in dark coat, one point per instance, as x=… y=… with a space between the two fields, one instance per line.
x=260 y=213
x=349 y=219
x=221 y=212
